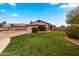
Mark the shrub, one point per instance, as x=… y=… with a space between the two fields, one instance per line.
x=73 y=31
x=34 y=30
x=60 y=28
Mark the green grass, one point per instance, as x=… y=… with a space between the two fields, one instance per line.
x=41 y=44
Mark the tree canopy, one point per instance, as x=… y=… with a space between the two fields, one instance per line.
x=4 y=22
x=31 y=22
x=73 y=16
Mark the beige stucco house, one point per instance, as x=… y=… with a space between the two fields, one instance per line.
x=41 y=25
x=5 y=27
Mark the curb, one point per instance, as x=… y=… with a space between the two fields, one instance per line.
x=72 y=40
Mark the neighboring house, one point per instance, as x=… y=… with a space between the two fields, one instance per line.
x=5 y=27
x=17 y=27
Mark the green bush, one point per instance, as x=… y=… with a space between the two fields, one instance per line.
x=73 y=31
x=34 y=30
x=60 y=28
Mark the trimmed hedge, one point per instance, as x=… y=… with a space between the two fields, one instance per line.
x=34 y=30
x=73 y=31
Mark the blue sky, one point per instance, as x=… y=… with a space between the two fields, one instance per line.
x=53 y=13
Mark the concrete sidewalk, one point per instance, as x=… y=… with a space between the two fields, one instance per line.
x=3 y=43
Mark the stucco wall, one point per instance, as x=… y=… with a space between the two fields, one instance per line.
x=43 y=23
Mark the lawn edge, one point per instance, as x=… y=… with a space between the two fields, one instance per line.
x=75 y=41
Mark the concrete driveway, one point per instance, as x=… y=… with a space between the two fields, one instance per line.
x=5 y=37
x=8 y=34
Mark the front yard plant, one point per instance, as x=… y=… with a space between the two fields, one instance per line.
x=73 y=31
x=73 y=21
x=34 y=30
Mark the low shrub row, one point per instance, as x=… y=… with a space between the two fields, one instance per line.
x=73 y=31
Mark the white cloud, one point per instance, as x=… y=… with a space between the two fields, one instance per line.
x=2 y=10
x=14 y=14
x=73 y=4
x=64 y=6
x=69 y=5
x=7 y=13
x=53 y=3
x=13 y=4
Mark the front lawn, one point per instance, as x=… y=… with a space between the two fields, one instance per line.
x=40 y=44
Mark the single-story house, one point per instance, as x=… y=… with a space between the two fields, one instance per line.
x=17 y=27
x=5 y=27
x=41 y=25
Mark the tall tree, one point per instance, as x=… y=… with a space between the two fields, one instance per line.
x=31 y=22
x=73 y=16
x=73 y=19
x=4 y=22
